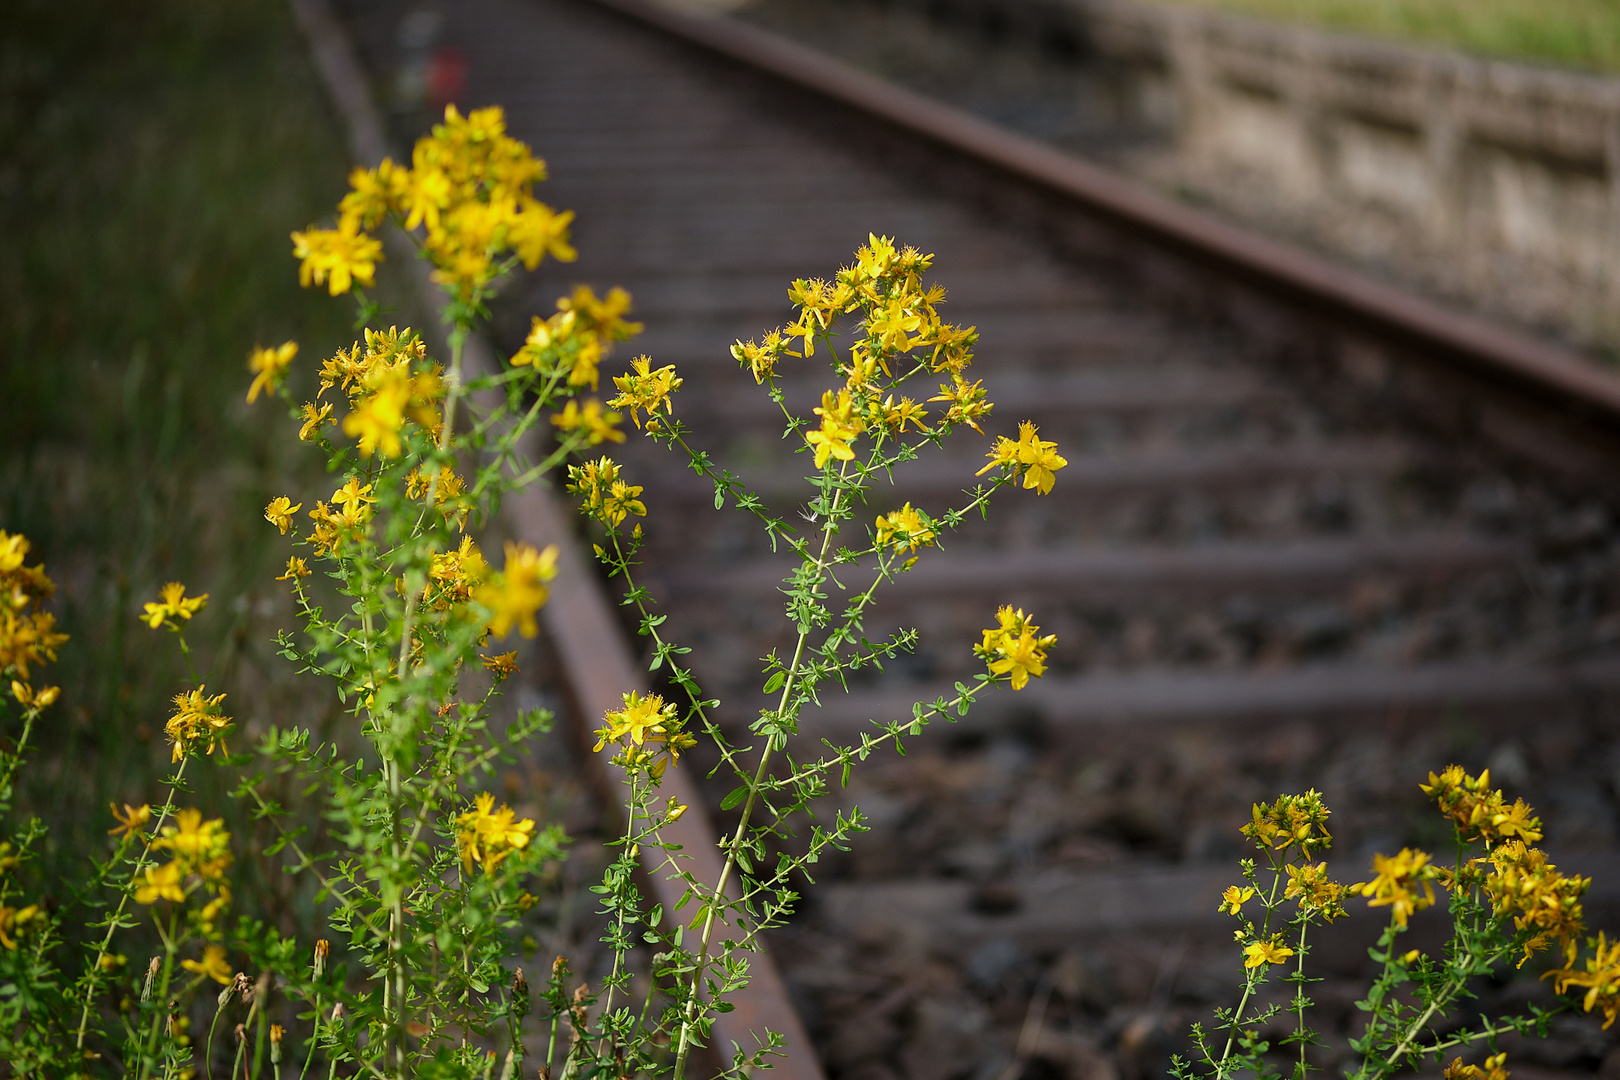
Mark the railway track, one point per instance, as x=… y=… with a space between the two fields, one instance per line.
x=1313 y=533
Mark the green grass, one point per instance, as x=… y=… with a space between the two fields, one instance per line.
x=1574 y=33
x=153 y=157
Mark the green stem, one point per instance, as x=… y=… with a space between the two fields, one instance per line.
x=123 y=901
x=717 y=899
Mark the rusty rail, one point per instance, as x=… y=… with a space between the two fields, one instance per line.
x=1524 y=364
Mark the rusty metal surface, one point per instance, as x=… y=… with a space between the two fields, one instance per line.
x=1538 y=367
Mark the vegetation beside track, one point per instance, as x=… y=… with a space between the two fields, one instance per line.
x=152 y=159
x=1576 y=33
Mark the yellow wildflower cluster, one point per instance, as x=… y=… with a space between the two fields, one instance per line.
x=967 y=403
x=452 y=575
x=469 y=187
x=608 y=499
x=346 y=517
x=906 y=528
x=901 y=316
x=199 y=854
x=173 y=605
x=486 y=836
x=1292 y=819
x=644 y=719
x=1601 y=978
x=28 y=634
x=641 y=388
x=387 y=381
x=1491 y=1070
x=197 y=721
x=15 y=922
x=1014 y=648
x=448 y=493
x=269 y=366
x=1403 y=883
x=1315 y=892
x=1030 y=457
x=1480 y=811
x=1527 y=887
x=519 y=591
x=597 y=424
x=575 y=340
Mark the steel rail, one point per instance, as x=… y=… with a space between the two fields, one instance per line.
x=1524 y=364
x=579 y=620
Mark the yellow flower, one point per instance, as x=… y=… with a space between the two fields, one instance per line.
x=839 y=426
x=355 y=499
x=199 y=847
x=132 y=821
x=1013 y=648
x=280 y=511
x=28 y=697
x=345 y=255
x=502 y=665
x=641 y=388
x=1266 y=952
x=608 y=499
x=968 y=405
x=892 y=322
x=14 y=921
x=896 y=417
x=1292 y=819
x=160 y=883
x=520 y=590
x=314 y=417
x=640 y=718
x=1403 y=884
x=906 y=528
x=377 y=420
x=268 y=366
x=1032 y=458
x=1493 y=1069
x=197 y=719
x=1234 y=898
x=1478 y=810
x=760 y=359
x=173 y=605
x=1538 y=897
x=296 y=568
x=1601 y=979
x=599 y=426
x=1310 y=885
x=212 y=965
x=487 y=836
x=644 y=719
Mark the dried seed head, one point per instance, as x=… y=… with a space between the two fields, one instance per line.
x=151 y=977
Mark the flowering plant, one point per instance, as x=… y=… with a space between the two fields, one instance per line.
x=417 y=876
x=1505 y=899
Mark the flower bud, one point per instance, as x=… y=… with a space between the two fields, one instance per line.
x=520 y=996
x=322 y=949
x=275 y=1044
